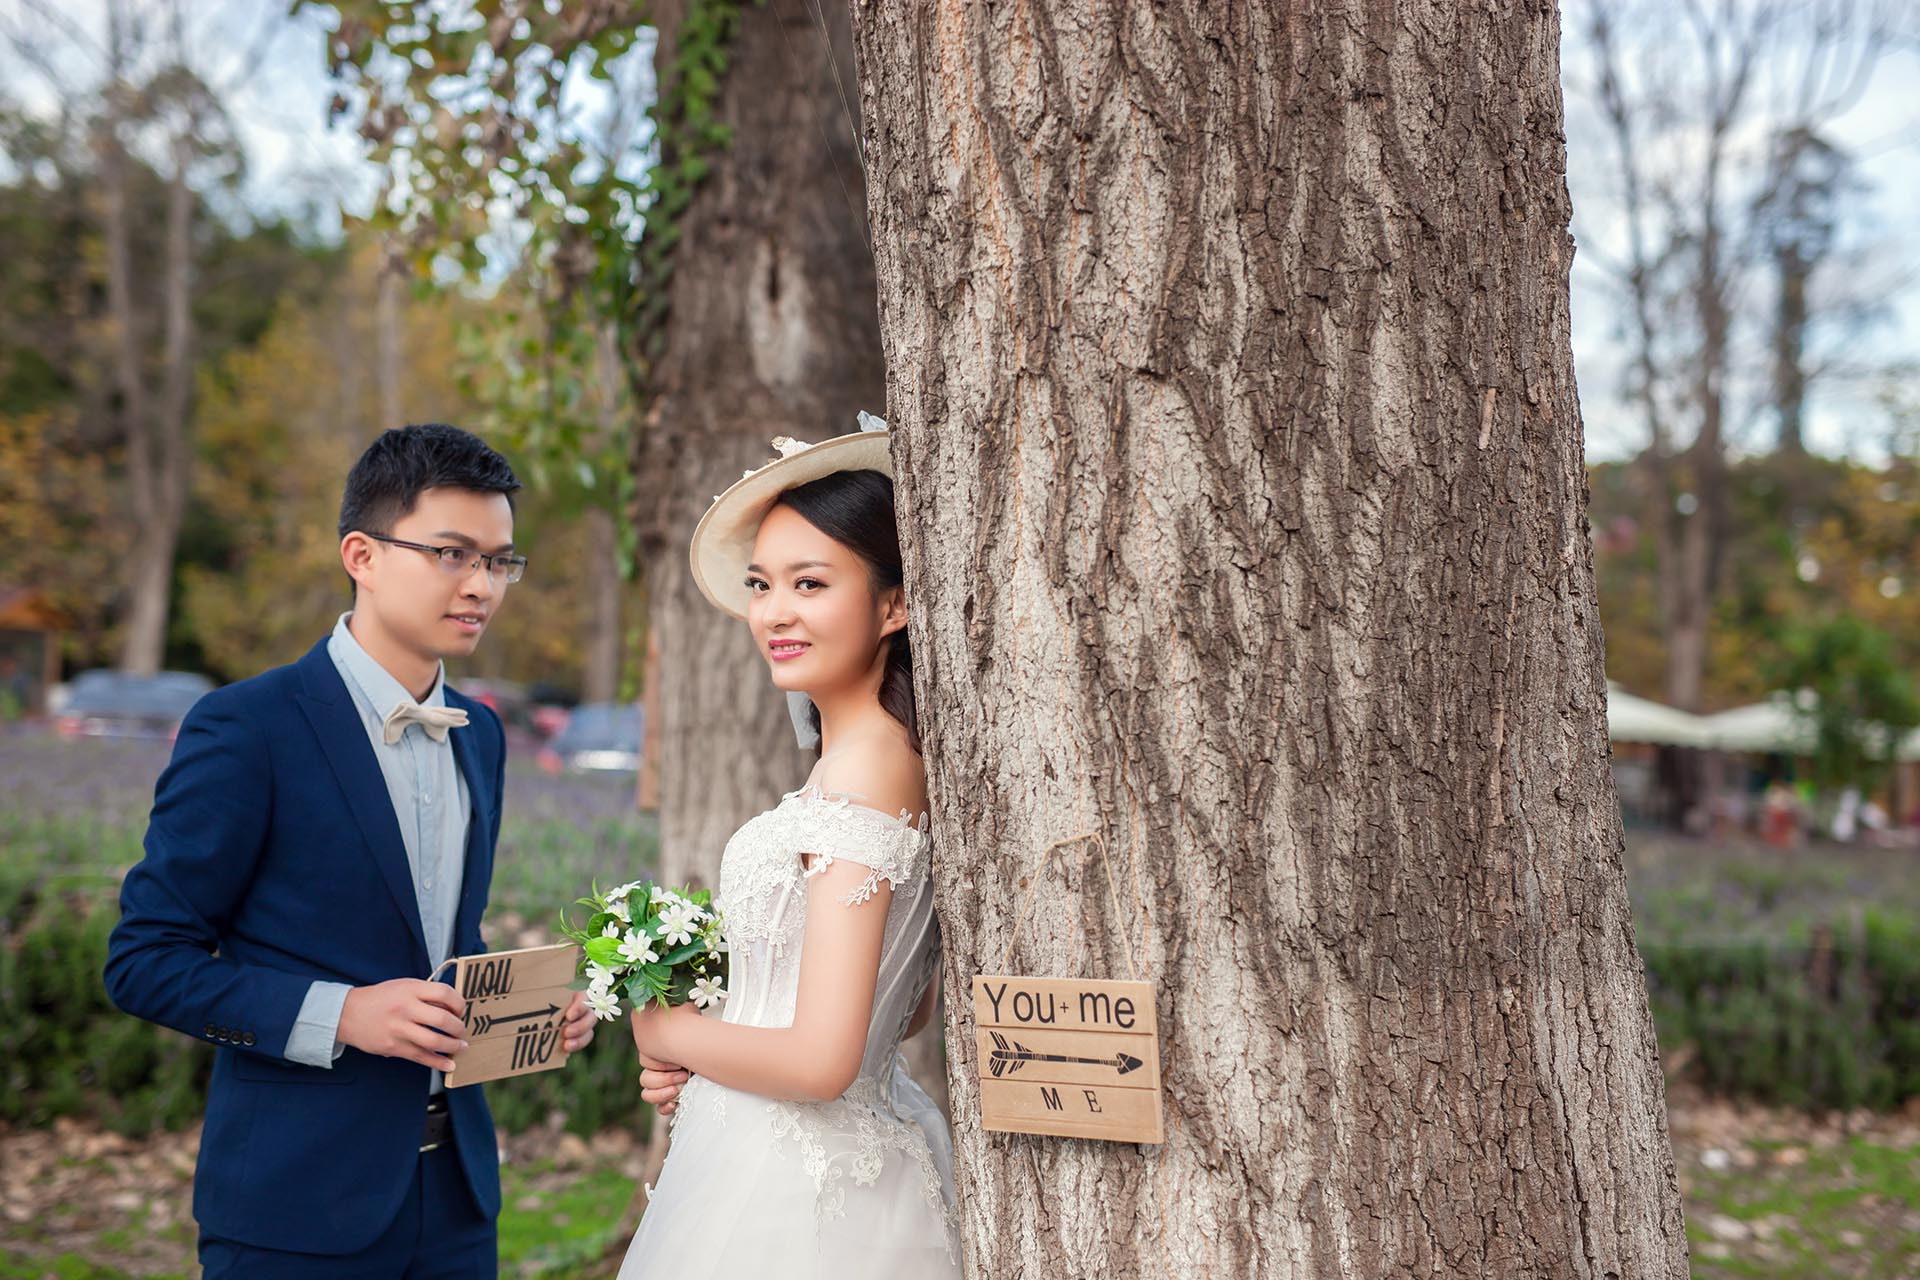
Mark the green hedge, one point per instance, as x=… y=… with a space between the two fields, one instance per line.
x=1823 y=1017
x=65 y=1050
x=1826 y=1017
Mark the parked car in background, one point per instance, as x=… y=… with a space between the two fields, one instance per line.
x=597 y=735
x=508 y=700
x=114 y=704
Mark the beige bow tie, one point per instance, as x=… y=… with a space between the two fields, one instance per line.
x=435 y=720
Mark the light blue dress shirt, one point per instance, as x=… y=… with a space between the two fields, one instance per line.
x=431 y=803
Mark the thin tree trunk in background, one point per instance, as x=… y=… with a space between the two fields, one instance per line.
x=600 y=680
x=606 y=587
x=647 y=786
x=1241 y=478
x=1791 y=321
x=158 y=460
x=392 y=340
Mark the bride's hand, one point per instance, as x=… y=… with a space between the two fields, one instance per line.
x=661 y=1085
x=660 y=1079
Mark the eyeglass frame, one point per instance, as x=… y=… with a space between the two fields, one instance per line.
x=507 y=559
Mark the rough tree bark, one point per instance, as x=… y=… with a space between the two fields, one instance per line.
x=772 y=331
x=1241 y=478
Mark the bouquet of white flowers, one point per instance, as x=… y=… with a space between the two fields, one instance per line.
x=650 y=943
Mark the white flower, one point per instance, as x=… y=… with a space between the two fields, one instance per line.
x=706 y=991
x=787 y=446
x=598 y=975
x=616 y=895
x=663 y=895
x=637 y=949
x=612 y=930
x=676 y=924
x=621 y=911
x=603 y=1003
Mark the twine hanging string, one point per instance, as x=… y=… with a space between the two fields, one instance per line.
x=1025 y=906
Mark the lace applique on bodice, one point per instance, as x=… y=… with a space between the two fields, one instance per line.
x=761 y=872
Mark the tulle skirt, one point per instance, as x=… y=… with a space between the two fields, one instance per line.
x=858 y=1187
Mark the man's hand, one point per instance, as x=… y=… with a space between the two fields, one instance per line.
x=577 y=1026
x=405 y=1018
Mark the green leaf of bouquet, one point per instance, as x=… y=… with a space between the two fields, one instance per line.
x=601 y=950
x=680 y=955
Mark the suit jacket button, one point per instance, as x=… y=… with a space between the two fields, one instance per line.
x=247 y=1039
x=210 y=1034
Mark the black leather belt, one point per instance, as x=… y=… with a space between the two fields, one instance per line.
x=439 y=1130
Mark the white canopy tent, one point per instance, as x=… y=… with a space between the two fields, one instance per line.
x=1775 y=725
x=1635 y=719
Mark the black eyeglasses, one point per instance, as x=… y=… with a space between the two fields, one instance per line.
x=502 y=566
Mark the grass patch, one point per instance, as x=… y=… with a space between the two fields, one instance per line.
x=554 y=1224
x=67 y=1266
x=1847 y=1212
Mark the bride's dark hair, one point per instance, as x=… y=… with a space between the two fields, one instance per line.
x=855 y=509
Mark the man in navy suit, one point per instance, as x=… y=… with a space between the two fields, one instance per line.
x=322 y=840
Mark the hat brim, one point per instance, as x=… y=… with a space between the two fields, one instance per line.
x=723 y=540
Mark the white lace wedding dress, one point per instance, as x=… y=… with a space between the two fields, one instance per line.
x=857 y=1187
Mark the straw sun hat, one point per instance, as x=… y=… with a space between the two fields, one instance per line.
x=723 y=540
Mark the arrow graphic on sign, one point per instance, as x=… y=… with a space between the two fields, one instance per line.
x=1009 y=1058
x=482 y=1022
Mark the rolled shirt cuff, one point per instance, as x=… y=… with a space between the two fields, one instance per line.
x=316 y=1029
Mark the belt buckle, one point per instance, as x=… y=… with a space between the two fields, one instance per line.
x=445 y=1125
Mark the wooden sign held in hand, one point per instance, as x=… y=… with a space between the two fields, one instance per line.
x=1068 y=1058
x=516 y=1001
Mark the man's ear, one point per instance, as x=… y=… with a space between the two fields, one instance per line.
x=356 y=556
x=894 y=602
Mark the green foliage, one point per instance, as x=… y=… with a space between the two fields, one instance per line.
x=1822 y=1212
x=555 y=1223
x=1863 y=699
x=64 y=1049
x=1829 y=1018
x=483 y=115
x=1808 y=537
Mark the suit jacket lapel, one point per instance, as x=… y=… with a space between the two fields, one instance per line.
x=480 y=797
x=343 y=740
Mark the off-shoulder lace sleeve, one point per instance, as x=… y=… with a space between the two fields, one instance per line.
x=833 y=827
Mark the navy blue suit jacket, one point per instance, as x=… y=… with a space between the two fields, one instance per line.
x=273 y=858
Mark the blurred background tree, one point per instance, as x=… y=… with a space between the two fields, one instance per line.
x=1857 y=696
x=1713 y=216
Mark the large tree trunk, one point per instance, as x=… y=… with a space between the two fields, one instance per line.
x=772 y=331
x=1240 y=470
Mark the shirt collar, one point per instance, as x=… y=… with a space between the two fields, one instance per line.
x=375 y=683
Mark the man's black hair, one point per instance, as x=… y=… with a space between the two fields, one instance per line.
x=396 y=468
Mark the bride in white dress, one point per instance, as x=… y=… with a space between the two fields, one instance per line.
x=800 y=1145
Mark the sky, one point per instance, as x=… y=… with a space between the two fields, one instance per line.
x=300 y=164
